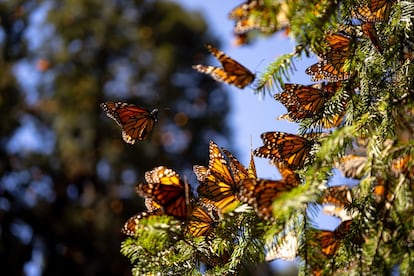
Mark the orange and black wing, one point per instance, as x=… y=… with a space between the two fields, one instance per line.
x=232 y=72
x=203 y=219
x=218 y=185
x=330 y=70
x=165 y=187
x=133 y=223
x=136 y=122
x=292 y=150
x=374 y=11
x=331 y=240
x=331 y=67
x=303 y=101
x=260 y=193
x=238 y=171
x=337 y=195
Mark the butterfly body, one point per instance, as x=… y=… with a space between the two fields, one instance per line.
x=136 y=122
x=232 y=72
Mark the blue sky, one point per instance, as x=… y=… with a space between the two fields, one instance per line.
x=252 y=115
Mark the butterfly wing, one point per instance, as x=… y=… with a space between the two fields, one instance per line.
x=218 y=185
x=374 y=11
x=136 y=122
x=232 y=72
x=292 y=150
x=166 y=189
x=237 y=169
x=203 y=218
x=260 y=193
x=302 y=101
x=133 y=223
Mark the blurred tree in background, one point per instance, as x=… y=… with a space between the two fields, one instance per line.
x=66 y=177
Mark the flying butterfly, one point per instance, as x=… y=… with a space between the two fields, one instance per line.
x=166 y=189
x=290 y=149
x=136 y=122
x=217 y=182
x=232 y=72
x=305 y=101
x=374 y=11
x=331 y=240
x=203 y=219
x=260 y=193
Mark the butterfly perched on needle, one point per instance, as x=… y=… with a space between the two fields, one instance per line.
x=306 y=101
x=260 y=193
x=238 y=171
x=203 y=218
x=374 y=10
x=136 y=122
x=290 y=149
x=217 y=182
x=166 y=189
x=331 y=66
x=331 y=240
x=232 y=72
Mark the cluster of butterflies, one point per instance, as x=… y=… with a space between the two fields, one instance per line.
x=224 y=184
x=339 y=47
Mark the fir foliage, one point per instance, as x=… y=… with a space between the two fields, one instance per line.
x=378 y=106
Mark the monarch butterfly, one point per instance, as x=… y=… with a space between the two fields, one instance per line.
x=292 y=150
x=203 y=219
x=238 y=171
x=136 y=122
x=374 y=11
x=338 y=199
x=267 y=18
x=260 y=193
x=331 y=240
x=352 y=166
x=305 y=101
x=217 y=183
x=165 y=187
x=331 y=67
x=337 y=195
x=232 y=72
x=133 y=223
